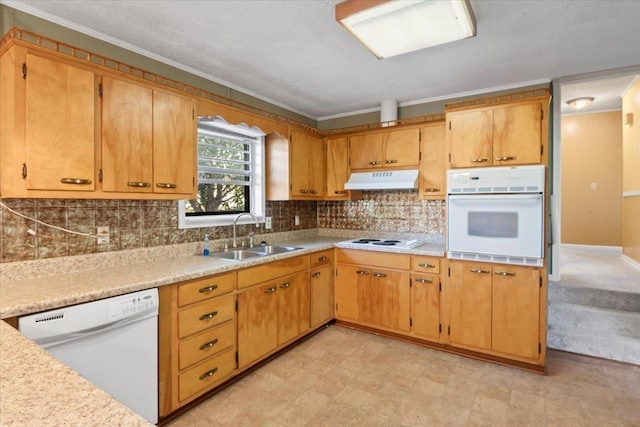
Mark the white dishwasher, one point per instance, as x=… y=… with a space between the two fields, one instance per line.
x=111 y=342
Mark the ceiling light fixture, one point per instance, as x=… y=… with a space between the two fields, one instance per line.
x=580 y=103
x=392 y=27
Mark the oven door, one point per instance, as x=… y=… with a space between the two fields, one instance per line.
x=503 y=225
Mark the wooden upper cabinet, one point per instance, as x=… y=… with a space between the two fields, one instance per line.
x=389 y=149
x=307 y=165
x=337 y=167
x=517 y=134
x=433 y=165
x=127 y=136
x=470 y=138
x=174 y=144
x=60 y=123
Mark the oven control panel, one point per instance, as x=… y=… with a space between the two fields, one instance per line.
x=505 y=179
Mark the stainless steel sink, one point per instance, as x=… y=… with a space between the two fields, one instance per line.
x=237 y=255
x=272 y=250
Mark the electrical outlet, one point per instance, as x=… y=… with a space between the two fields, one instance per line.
x=594 y=186
x=267 y=223
x=103 y=234
x=296 y=220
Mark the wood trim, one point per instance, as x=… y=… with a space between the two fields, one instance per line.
x=499 y=99
x=350 y=7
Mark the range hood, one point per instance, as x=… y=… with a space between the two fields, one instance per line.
x=383 y=180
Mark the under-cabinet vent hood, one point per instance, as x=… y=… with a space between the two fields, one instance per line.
x=383 y=180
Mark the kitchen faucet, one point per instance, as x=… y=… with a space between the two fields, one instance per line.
x=235 y=221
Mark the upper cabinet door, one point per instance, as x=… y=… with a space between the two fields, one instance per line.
x=365 y=151
x=60 y=123
x=470 y=138
x=432 y=166
x=337 y=166
x=174 y=144
x=401 y=148
x=127 y=136
x=307 y=165
x=517 y=134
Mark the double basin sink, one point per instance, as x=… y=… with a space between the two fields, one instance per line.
x=256 y=251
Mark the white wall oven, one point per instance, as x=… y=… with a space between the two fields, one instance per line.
x=496 y=214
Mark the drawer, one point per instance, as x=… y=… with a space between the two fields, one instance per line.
x=318 y=259
x=205 y=315
x=204 y=376
x=206 y=344
x=425 y=264
x=372 y=258
x=262 y=273
x=206 y=287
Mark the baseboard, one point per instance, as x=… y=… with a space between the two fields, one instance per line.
x=612 y=249
x=632 y=262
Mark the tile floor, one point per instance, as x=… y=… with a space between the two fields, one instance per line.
x=342 y=377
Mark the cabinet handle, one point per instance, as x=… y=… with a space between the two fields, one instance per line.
x=425 y=265
x=340 y=192
x=505 y=158
x=209 y=344
x=138 y=184
x=322 y=258
x=375 y=162
x=480 y=160
x=505 y=273
x=314 y=275
x=270 y=290
x=424 y=280
x=166 y=185
x=285 y=285
x=379 y=275
x=431 y=190
x=77 y=181
x=208 y=289
x=303 y=191
x=479 y=271
x=208 y=374
x=389 y=162
x=362 y=272
x=313 y=191
x=209 y=315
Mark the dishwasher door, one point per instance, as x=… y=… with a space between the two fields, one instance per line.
x=112 y=342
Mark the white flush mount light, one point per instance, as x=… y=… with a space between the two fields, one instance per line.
x=393 y=27
x=580 y=103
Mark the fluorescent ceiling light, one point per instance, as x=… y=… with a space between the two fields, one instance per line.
x=393 y=27
x=580 y=103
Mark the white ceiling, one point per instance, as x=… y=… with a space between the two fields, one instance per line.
x=294 y=54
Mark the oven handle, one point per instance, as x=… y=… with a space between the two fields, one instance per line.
x=485 y=196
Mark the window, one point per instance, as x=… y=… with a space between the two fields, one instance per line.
x=230 y=175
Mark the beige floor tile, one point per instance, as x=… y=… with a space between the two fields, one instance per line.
x=482 y=419
x=526 y=401
x=520 y=417
x=496 y=408
x=352 y=396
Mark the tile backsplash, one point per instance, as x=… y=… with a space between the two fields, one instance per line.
x=147 y=223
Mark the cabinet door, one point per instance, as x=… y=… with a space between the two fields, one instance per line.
x=293 y=306
x=321 y=295
x=470 y=305
x=433 y=163
x=401 y=148
x=353 y=293
x=60 y=125
x=470 y=138
x=337 y=167
x=516 y=311
x=307 y=165
x=257 y=322
x=127 y=141
x=174 y=144
x=517 y=134
x=425 y=306
x=390 y=306
x=365 y=151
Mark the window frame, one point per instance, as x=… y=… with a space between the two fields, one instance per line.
x=257 y=188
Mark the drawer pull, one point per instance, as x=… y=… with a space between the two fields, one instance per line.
x=480 y=160
x=270 y=290
x=390 y=162
x=379 y=275
x=285 y=285
x=479 y=271
x=139 y=184
x=505 y=273
x=303 y=191
x=340 y=192
x=375 y=162
x=77 y=181
x=209 y=315
x=314 y=275
x=362 y=273
x=431 y=190
x=166 y=185
x=208 y=289
x=209 y=344
x=208 y=374
x=424 y=280
x=425 y=265
x=505 y=158
x=322 y=258
x=313 y=191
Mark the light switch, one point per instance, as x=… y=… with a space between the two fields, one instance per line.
x=594 y=186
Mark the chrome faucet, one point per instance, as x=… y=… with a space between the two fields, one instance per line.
x=235 y=221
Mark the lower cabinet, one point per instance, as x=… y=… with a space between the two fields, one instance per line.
x=496 y=308
x=321 y=288
x=425 y=306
